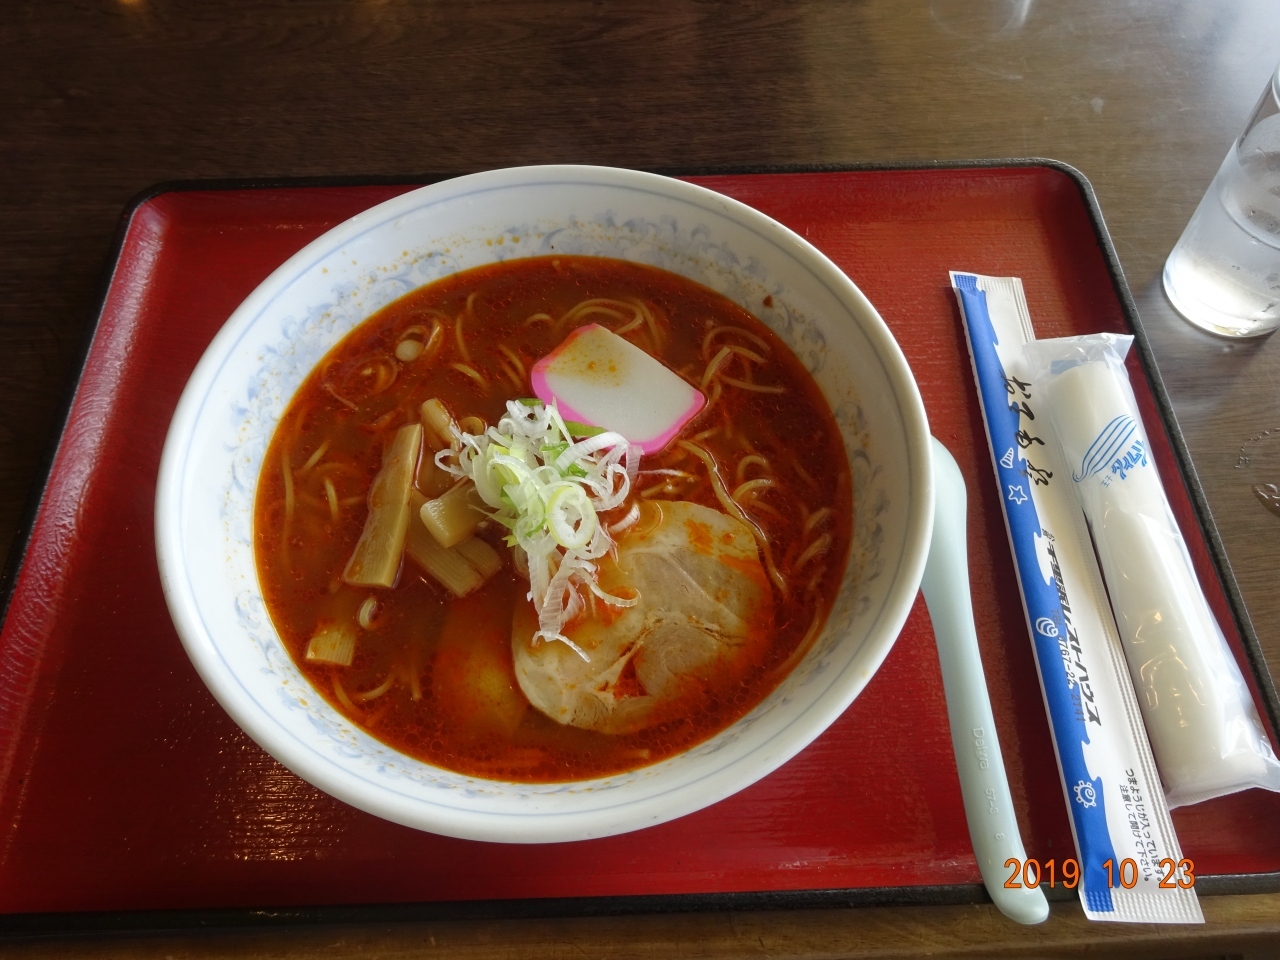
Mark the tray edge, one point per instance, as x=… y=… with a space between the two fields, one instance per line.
x=23 y=925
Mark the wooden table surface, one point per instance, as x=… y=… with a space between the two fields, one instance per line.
x=106 y=97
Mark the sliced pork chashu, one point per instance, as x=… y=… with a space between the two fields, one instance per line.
x=705 y=610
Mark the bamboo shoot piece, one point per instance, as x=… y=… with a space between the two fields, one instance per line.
x=439 y=422
x=332 y=643
x=453 y=516
x=443 y=564
x=480 y=555
x=431 y=480
x=461 y=569
x=376 y=559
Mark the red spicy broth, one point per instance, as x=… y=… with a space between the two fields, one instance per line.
x=432 y=675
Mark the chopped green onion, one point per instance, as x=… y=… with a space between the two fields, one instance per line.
x=546 y=480
x=583 y=429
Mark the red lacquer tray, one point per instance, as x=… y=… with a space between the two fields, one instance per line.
x=125 y=790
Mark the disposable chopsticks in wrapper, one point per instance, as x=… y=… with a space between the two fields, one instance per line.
x=1130 y=864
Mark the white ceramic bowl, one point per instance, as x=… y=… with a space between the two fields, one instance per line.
x=214 y=450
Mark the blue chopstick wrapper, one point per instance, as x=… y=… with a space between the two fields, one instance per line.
x=1124 y=837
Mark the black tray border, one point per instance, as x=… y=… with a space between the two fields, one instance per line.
x=27 y=925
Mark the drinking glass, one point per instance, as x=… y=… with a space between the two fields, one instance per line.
x=1224 y=273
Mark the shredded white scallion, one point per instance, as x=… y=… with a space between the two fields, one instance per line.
x=548 y=490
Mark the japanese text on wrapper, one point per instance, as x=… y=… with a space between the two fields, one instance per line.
x=1037 y=475
x=1135 y=808
x=1069 y=646
x=1135 y=456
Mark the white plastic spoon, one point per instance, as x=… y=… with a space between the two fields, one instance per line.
x=988 y=807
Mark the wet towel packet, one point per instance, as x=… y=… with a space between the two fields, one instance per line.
x=1200 y=716
x=1130 y=864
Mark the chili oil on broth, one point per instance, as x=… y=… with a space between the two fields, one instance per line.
x=432 y=675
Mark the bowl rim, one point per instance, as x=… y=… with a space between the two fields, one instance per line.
x=533 y=826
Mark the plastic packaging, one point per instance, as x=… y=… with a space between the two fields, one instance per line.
x=1199 y=714
x=1130 y=864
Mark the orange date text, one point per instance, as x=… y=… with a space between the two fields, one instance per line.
x=1032 y=873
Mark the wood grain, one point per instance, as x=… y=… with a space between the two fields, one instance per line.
x=105 y=97
x=1234 y=925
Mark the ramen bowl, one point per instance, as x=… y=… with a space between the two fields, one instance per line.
x=238 y=392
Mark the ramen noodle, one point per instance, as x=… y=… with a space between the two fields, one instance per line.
x=487 y=585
